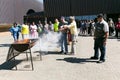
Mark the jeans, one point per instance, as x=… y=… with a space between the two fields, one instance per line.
x=16 y=37
x=64 y=46
x=73 y=46
x=99 y=44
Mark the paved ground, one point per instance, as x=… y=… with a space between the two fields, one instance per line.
x=64 y=67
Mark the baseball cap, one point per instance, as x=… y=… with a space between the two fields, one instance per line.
x=100 y=15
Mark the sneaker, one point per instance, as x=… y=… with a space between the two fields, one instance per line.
x=96 y=58
x=101 y=61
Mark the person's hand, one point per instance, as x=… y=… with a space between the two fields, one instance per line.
x=65 y=26
x=104 y=43
x=61 y=29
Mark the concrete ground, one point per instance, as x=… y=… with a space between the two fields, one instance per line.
x=63 y=67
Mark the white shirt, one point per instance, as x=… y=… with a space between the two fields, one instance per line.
x=33 y=28
x=106 y=27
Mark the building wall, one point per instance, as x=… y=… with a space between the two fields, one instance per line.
x=6 y=11
x=14 y=10
x=55 y=8
x=80 y=7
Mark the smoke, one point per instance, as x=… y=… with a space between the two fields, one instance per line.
x=48 y=41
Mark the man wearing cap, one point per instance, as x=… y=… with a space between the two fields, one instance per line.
x=64 y=47
x=100 y=38
x=73 y=29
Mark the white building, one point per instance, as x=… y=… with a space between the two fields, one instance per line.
x=14 y=10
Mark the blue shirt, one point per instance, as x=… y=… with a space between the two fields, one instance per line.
x=15 y=30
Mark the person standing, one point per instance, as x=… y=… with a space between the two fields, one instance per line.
x=15 y=31
x=33 y=31
x=64 y=47
x=111 y=26
x=100 y=38
x=117 y=28
x=25 y=31
x=56 y=24
x=83 y=28
x=51 y=27
x=92 y=27
x=40 y=28
x=73 y=29
x=87 y=27
x=46 y=26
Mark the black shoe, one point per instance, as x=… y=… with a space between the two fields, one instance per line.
x=61 y=52
x=101 y=61
x=96 y=58
x=65 y=53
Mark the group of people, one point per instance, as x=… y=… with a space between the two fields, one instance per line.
x=64 y=27
x=87 y=27
x=67 y=30
x=100 y=30
x=114 y=27
x=32 y=30
x=27 y=31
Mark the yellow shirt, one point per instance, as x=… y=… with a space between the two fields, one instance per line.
x=73 y=28
x=25 y=29
x=56 y=27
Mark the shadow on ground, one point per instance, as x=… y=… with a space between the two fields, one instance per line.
x=77 y=60
x=9 y=65
x=5 y=45
x=112 y=37
x=48 y=52
x=118 y=39
x=54 y=52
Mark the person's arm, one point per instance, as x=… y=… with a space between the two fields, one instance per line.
x=62 y=27
x=11 y=30
x=54 y=27
x=106 y=36
x=35 y=28
x=20 y=28
x=95 y=25
x=106 y=29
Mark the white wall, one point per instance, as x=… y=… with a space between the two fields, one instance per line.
x=14 y=10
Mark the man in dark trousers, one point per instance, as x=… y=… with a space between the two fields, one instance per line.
x=64 y=47
x=100 y=38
